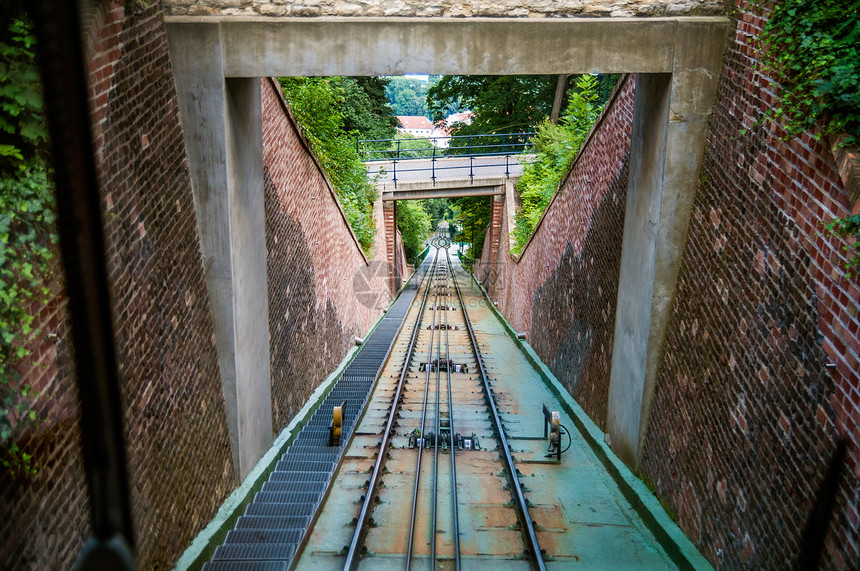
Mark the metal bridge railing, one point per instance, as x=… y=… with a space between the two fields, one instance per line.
x=471 y=155
x=457 y=145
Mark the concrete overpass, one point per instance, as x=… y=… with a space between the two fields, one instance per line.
x=218 y=60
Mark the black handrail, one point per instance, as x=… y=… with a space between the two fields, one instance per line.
x=506 y=143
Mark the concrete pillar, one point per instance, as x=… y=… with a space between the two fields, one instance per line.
x=223 y=133
x=389 y=214
x=671 y=114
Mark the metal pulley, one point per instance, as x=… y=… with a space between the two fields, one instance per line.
x=335 y=430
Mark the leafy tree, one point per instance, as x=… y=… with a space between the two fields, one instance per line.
x=414 y=225
x=473 y=215
x=408 y=95
x=317 y=103
x=437 y=209
x=366 y=110
x=27 y=216
x=501 y=104
x=555 y=146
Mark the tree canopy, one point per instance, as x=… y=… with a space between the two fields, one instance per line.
x=408 y=96
x=473 y=214
x=555 y=146
x=366 y=110
x=501 y=104
x=414 y=225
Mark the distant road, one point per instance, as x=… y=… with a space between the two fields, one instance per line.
x=447 y=168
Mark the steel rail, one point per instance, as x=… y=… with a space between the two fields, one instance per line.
x=521 y=504
x=353 y=555
x=435 y=496
x=456 y=515
x=432 y=283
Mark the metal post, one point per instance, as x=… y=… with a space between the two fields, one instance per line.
x=394 y=169
x=433 y=165
x=507 y=167
x=471 y=173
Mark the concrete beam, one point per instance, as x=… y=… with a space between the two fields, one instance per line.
x=222 y=124
x=329 y=46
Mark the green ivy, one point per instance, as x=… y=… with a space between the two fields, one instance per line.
x=27 y=217
x=849 y=228
x=317 y=103
x=555 y=146
x=814 y=47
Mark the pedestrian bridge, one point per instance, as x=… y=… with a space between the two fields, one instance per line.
x=453 y=167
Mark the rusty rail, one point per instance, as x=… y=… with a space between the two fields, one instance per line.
x=526 y=524
x=451 y=431
x=433 y=284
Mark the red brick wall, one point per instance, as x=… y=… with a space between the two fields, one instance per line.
x=322 y=291
x=762 y=309
x=178 y=444
x=760 y=372
x=562 y=289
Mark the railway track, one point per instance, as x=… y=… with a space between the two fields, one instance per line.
x=442 y=412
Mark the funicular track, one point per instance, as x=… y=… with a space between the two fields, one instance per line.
x=435 y=508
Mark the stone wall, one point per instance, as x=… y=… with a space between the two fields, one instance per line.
x=561 y=290
x=763 y=342
x=314 y=266
x=449 y=8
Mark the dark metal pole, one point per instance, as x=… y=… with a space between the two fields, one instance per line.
x=82 y=245
x=433 y=166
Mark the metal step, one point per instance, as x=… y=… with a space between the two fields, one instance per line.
x=265 y=536
x=255 y=551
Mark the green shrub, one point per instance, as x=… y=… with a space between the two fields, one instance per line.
x=316 y=103
x=555 y=146
x=414 y=224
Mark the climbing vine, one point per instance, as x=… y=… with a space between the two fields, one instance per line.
x=848 y=227
x=814 y=48
x=27 y=215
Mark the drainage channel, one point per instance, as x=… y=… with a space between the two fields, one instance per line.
x=275 y=525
